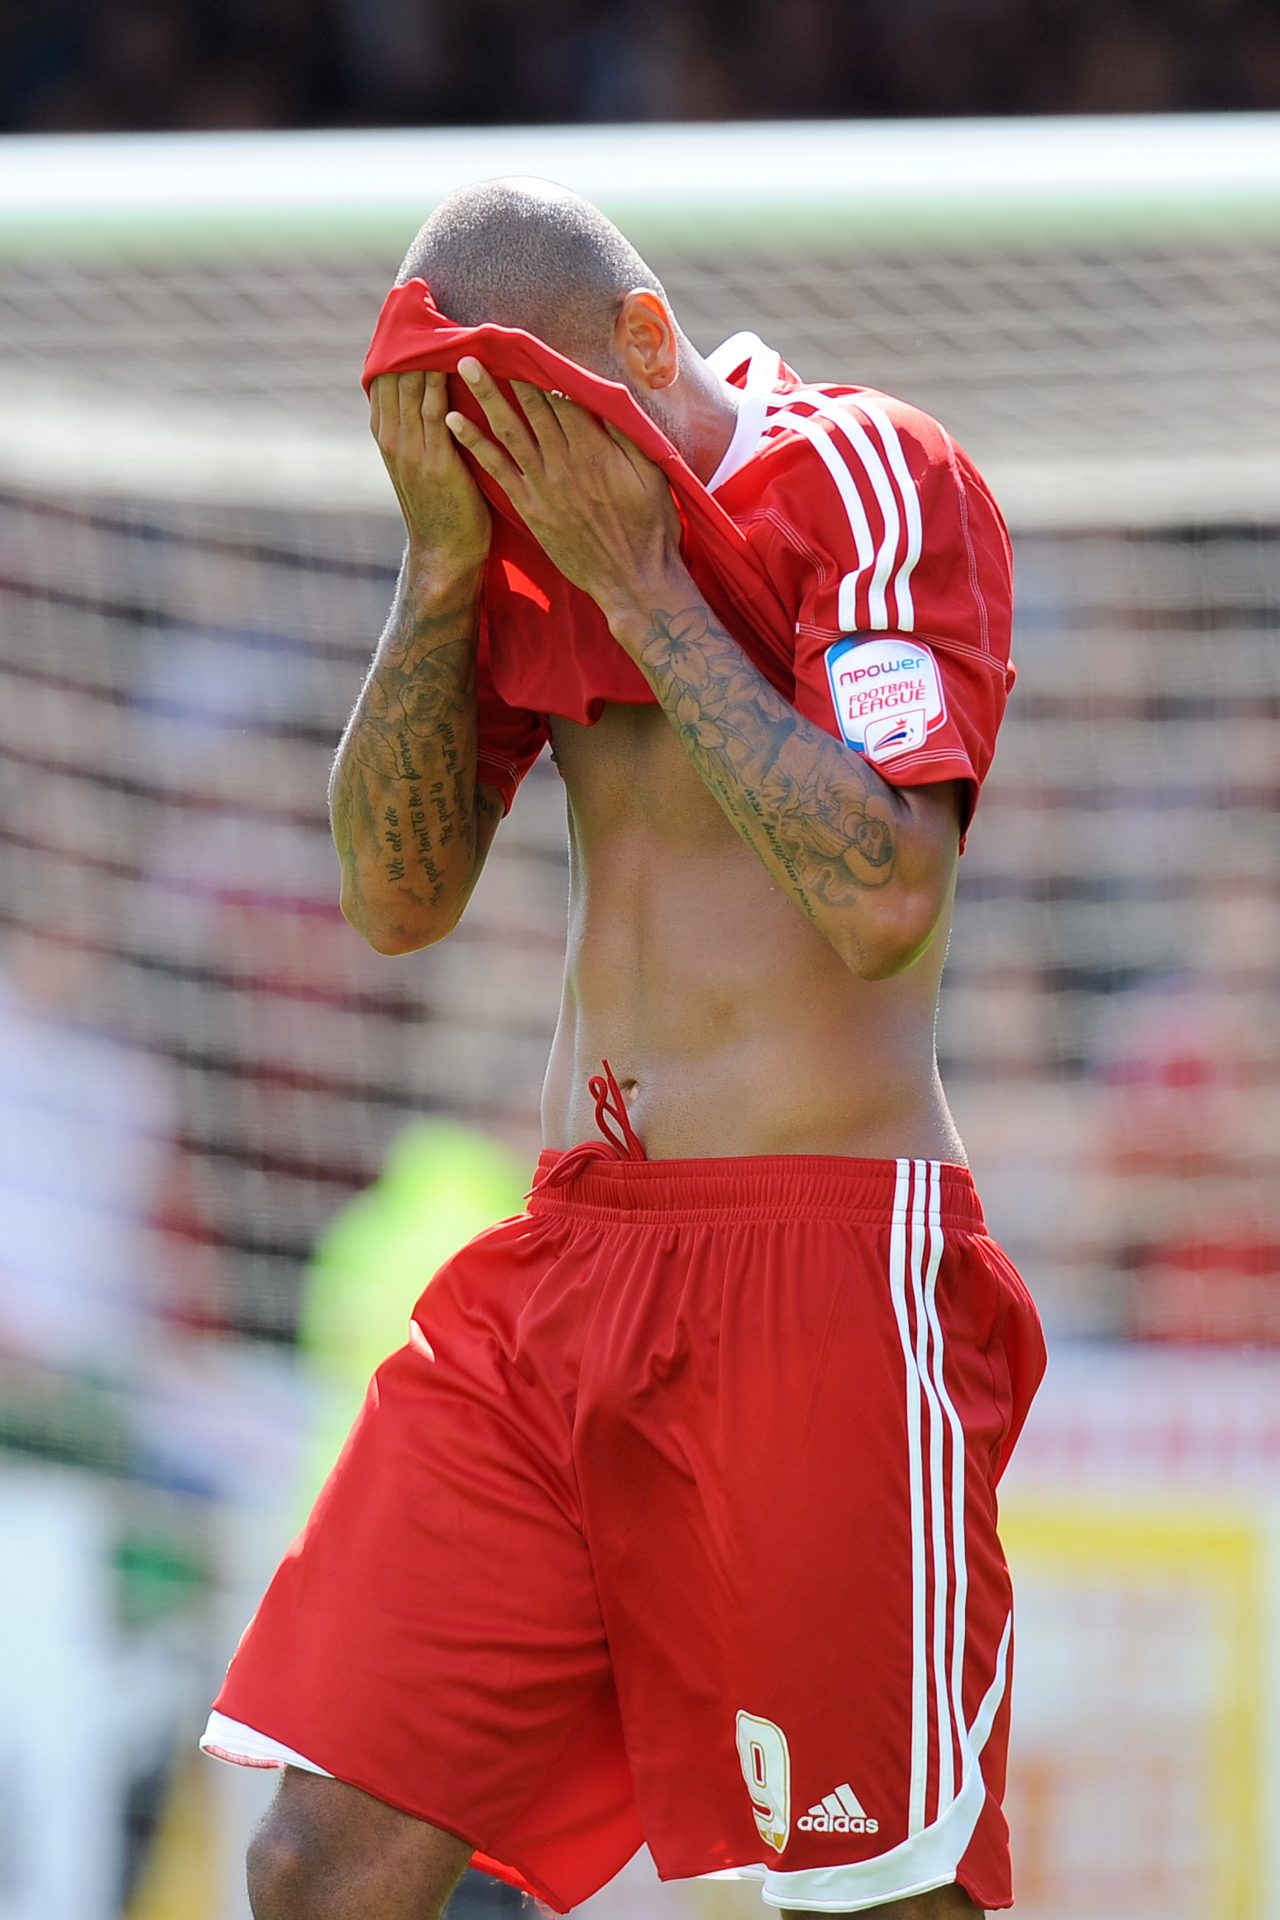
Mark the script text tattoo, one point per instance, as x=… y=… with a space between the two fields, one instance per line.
x=413 y=709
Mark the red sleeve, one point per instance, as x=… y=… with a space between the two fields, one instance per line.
x=903 y=581
x=508 y=739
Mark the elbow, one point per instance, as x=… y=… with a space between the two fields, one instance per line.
x=392 y=936
x=893 y=938
x=887 y=928
x=394 y=941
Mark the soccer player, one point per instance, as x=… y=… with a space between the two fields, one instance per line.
x=675 y=1519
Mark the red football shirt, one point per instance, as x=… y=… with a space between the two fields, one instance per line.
x=845 y=540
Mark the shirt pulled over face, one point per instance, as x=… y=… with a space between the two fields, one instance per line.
x=845 y=542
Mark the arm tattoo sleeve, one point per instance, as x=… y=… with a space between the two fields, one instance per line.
x=816 y=814
x=402 y=797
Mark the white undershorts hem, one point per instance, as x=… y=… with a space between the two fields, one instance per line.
x=225 y=1739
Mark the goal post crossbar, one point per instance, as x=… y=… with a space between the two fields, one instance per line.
x=1087 y=303
x=1131 y=178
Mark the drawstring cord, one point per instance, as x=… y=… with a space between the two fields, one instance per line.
x=610 y=1105
x=611 y=1114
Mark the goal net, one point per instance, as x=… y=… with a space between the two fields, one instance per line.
x=197 y=549
x=199 y=546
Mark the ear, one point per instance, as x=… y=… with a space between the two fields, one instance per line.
x=645 y=338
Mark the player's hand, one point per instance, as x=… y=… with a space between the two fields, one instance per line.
x=601 y=511
x=446 y=514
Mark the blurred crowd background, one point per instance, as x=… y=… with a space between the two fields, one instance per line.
x=72 y=66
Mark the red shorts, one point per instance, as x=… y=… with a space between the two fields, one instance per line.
x=675 y=1521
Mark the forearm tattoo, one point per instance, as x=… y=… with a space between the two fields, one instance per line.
x=402 y=797
x=815 y=813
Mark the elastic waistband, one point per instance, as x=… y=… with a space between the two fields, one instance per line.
x=783 y=1186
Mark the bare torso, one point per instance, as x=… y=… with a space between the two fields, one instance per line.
x=732 y=1025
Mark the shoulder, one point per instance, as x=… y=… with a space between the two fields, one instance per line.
x=890 y=454
x=849 y=476
x=871 y=518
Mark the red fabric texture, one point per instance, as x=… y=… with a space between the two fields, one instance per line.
x=545 y=646
x=646 y=1465
x=855 y=514
x=958 y=595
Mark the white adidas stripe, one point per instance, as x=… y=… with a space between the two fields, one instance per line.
x=960 y=1557
x=915 y=1255
x=906 y=613
x=919 y=1678
x=852 y=431
x=926 y=1859
x=859 y=525
x=896 y=496
x=937 y=1497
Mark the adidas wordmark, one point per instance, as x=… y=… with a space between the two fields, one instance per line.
x=838 y=1812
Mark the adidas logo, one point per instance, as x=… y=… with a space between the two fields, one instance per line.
x=837 y=1812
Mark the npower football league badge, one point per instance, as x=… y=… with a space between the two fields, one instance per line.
x=887 y=694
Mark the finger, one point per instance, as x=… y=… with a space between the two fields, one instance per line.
x=435 y=400
x=483 y=451
x=409 y=390
x=540 y=414
x=650 y=475
x=584 y=432
x=643 y=465
x=506 y=425
x=384 y=407
x=572 y=418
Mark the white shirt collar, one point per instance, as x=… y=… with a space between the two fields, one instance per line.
x=752 y=397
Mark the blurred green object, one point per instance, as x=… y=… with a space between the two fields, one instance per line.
x=441 y=1185
x=161 y=1567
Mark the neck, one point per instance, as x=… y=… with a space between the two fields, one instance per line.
x=710 y=415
